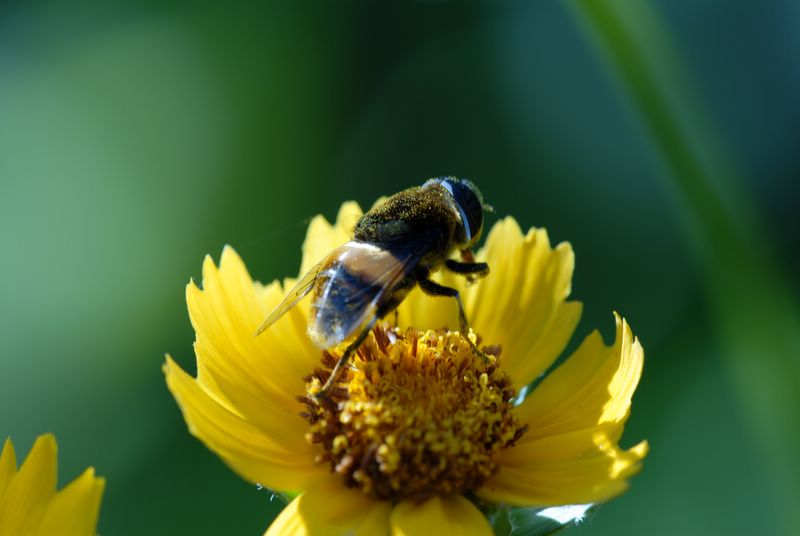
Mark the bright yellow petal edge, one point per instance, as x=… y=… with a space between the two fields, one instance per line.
x=29 y=502
x=241 y=404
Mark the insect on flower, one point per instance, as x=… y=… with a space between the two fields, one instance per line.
x=396 y=246
x=418 y=434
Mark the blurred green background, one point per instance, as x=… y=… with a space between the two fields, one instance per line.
x=660 y=138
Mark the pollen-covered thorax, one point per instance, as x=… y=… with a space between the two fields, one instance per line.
x=416 y=414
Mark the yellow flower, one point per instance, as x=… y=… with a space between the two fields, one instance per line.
x=29 y=502
x=420 y=427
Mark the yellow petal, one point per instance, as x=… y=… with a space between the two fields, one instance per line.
x=8 y=467
x=521 y=305
x=288 y=336
x=561 y=447
x=225 y=315
x=575 y=417
x=31 y=506
x=74 y=510
x=452 y=514
x=31 y=490
x=322 y=237
x=257 y=302
x=331 y=509
x=596 y=476
x=276 y=458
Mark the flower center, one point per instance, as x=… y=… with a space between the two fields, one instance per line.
x=416 y=414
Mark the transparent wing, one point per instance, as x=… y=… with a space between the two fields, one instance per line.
x=361 y=280
x=292 y=297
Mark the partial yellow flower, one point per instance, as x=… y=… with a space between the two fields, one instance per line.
x=29 y=502
x=418 y=426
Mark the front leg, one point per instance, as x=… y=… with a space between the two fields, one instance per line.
x=432 y=288
x=473 y=270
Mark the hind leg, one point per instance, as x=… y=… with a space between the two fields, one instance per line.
x=433 y=288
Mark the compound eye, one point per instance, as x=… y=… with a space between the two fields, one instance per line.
x=468 y=201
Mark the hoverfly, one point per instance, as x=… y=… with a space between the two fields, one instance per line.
x=396 y=246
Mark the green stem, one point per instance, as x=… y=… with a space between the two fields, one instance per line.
x=757 y=317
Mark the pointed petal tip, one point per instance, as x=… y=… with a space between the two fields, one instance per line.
x=620 y=321
x=209 y=267
x=98 y=482
x=8 y=463
x=318 y=225
x=230 y=259
x=166 y=367
x=510 y=224
x=46 y=441
x=641 y=450
x=90 y=478
x=623 y=328
x=347 y=208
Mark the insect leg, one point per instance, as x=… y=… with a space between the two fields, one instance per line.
x=337 y=370
x=433 y=288
x=473 y=270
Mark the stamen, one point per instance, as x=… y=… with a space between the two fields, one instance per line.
x=415 y=415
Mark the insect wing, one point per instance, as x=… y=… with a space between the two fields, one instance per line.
x=292 y=297
x=353 y=288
